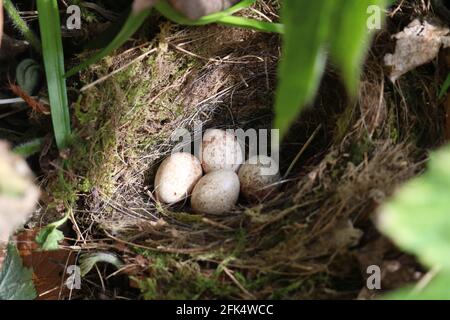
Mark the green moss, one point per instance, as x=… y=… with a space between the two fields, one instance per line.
x=172 y=277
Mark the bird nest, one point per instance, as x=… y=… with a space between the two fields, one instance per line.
x=340 y=160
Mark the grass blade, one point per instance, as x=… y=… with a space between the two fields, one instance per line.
x=133 y=23
x=351 y=39
x=53 y=54
x=246 y=23
x=304 y=56
x=21 y=25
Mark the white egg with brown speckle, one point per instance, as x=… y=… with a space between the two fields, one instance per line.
x=176 y=177
x=221 y=150
x=216 y=193
x=258 y=177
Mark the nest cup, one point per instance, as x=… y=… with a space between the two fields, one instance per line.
x=343 y=158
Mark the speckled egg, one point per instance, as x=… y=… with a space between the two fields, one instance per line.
x=216 y=193
x=257 y=177
x=176 y=177
x=221 y=150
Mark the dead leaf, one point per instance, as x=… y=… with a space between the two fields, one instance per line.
x=418 y=44
x=49 y=267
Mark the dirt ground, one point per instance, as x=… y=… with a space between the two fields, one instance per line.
x=314 y=237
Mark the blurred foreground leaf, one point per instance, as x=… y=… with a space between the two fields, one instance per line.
x=16 y=281
x=418 y=217
x=438 y=288
x=312 y=29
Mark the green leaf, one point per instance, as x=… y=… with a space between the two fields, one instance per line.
x=350 y=38
x=16 y=281
x=437 y=289
x=252 y=24
x=307 y=27
x=133 y=23
x=312 y=28
x=418 y=216
x=50 y=237
x=50 y=27
x=89 y=260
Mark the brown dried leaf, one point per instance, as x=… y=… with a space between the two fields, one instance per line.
x=418 y=44
x=49 y=267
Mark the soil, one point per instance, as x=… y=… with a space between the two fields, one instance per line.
x=314 y=237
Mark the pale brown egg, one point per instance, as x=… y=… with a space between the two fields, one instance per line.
x=216 y=193
x=221 y=150
x=176 y=177
x=258 y=177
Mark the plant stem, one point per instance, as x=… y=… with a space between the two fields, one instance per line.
x=20 y=24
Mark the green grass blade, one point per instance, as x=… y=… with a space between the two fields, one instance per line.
x=246 y=23
x=307 y=24
x=53 y=54
x=133 y=23
x=351 y=38
x=170 y=13
x=21 y=25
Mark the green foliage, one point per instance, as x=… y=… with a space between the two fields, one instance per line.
x=312 y=29
x=54 y=68
x=16 y=281
x=418 y=220
x=436 y=289
x=50 y=237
